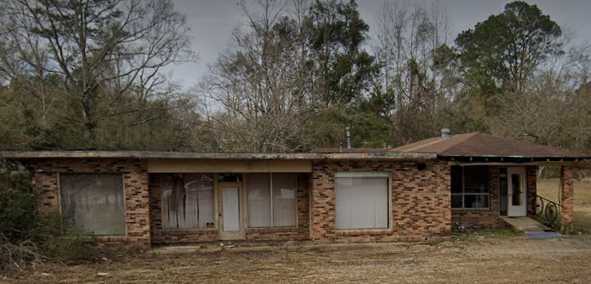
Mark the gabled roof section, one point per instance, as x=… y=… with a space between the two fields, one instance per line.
x=477 y=144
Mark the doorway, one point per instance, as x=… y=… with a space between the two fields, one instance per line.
x=516 y=192
x=230 y=210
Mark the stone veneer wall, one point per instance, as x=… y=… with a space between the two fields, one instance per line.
x=160 y=236
x=135 y=183
x=420 y=205
x=490 y=218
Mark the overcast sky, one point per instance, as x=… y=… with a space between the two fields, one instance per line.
x=212 y=22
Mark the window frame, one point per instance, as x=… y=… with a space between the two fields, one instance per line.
x=124 y=206
x=463 y=194
x=271 y=204
x=191 y=229
x=368 y=174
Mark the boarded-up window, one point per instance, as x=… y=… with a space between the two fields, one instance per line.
x=93 y=203
x=362 y=201
x=272 y=200
x=187 y=201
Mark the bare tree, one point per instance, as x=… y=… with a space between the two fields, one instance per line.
x=408 y=38
x=554 y=106
x=261 y=84
x=92 y=47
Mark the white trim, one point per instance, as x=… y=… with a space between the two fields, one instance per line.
x=519 y=210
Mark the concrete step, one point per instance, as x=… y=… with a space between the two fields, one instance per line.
x=532 y=228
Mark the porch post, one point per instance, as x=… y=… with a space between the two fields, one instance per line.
x=566 y=199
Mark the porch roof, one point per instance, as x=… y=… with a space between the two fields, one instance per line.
x=366 y=155
x=482 y=146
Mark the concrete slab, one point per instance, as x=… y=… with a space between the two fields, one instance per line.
x=526 y=224
x=542 y=235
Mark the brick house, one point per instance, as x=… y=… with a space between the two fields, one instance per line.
x=417 y=191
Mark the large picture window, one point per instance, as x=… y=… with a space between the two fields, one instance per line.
x=271 y=199
x=187 y=201
x=362 y=201
x=469 y=187
x=93 y=203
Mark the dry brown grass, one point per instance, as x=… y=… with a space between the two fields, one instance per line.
x=478 y=260
x=549 y=188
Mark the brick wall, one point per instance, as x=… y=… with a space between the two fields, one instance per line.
x=566 y=199
x=135 y=183
x=532 y=180
x=420 y=205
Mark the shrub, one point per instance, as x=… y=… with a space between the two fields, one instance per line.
x=17 y=203
x=25 y=235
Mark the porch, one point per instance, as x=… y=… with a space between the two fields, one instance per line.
x=489 y=195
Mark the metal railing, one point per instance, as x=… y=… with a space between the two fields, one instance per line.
x=548 y=212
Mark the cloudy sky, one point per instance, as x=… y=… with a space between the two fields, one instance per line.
x=212 y=22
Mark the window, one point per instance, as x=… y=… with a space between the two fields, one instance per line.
x=362 y=201
x=187 y=201
x=271 y=199
x=469 y=187
x=516 y=189
x=93 y=203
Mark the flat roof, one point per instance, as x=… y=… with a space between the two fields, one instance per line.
x=470 y=146
x=376 y=155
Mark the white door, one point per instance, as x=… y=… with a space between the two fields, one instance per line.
x=230 y=213
x=516 y=193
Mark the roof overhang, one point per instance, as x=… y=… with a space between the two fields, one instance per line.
x=514 y=159
x=28 y=155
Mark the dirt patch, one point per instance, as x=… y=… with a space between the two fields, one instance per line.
x=485 y=259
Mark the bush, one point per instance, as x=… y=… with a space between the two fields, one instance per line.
x=28 y=237
x=70 y=246
x=17 y=203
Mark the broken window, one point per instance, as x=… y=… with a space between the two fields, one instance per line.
x=271 y=199
x=187 y=201
x=93 y=203
x=469 y=187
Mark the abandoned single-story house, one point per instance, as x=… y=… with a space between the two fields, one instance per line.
x=416 y=191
